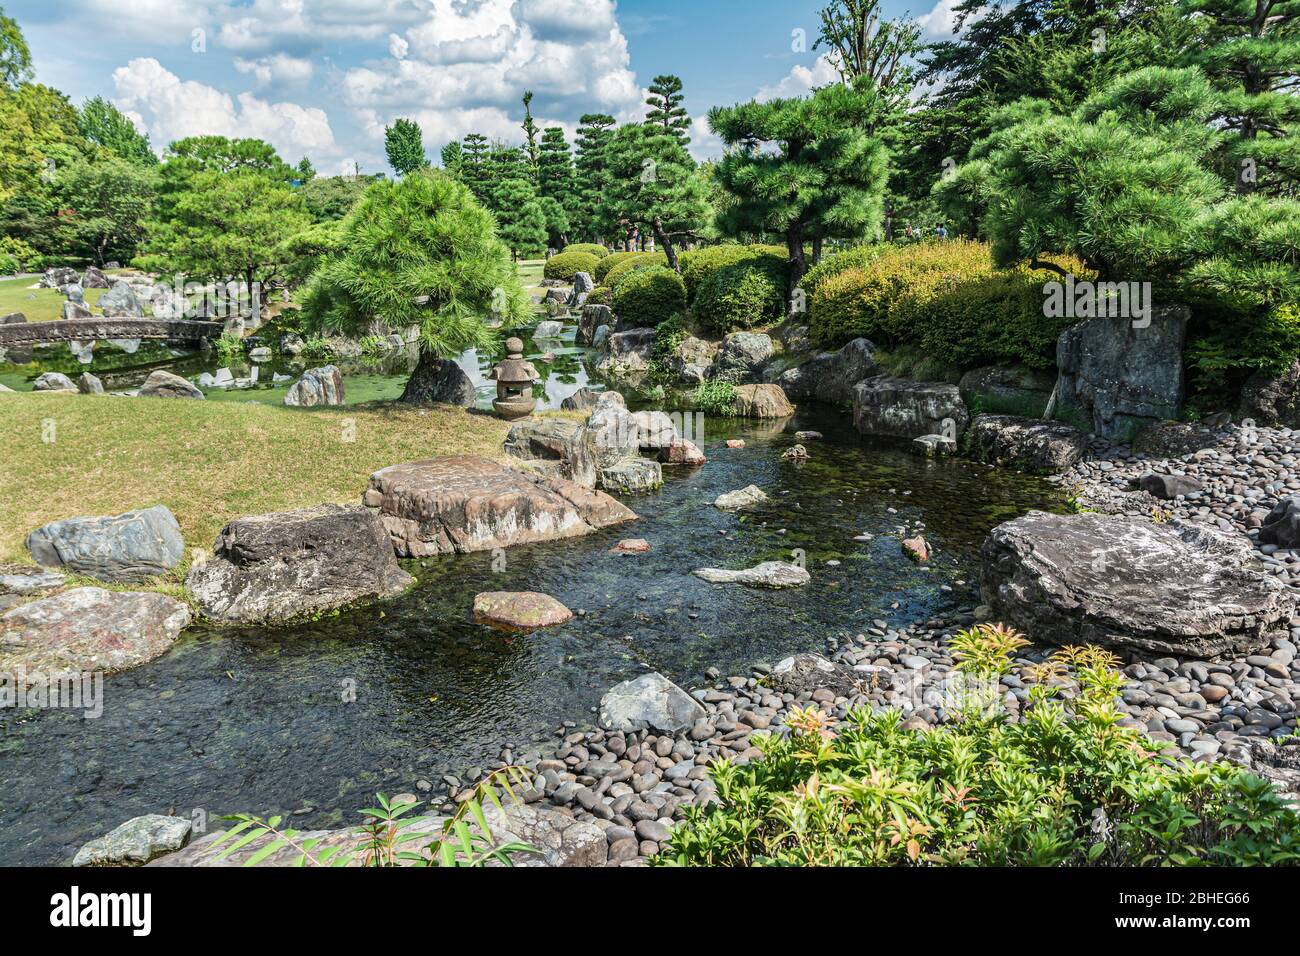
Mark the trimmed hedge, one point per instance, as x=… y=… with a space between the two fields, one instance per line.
x=641 y=260
x=591 y=248
x=568 y=264
x=698 y=264
x=947 y=298
x=601 y=295
x=615 y=259
x=648 y=296
x=856 y=258
x=739 y=296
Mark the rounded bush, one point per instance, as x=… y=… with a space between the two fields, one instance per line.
x=591 y=248
x=616 y=259
x=643 y=260
x=855 y=258
x=601 y=295
x=649 y=296
x=740 y=296
x=947 y=298
x=567 y=264
x=699 y=264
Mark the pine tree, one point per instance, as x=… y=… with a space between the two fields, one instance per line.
x=521 y=219
x=404 y=144
x=666 y=110
x=474 y=150
x=505 y=164
x=555 y=166
x=590 y=216
x=453 y=159
x=806 y=168
x=530 y=130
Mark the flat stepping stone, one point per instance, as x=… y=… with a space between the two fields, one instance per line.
x=741 y=500
x=520 y=611
x=631 y=546
x=770 y=574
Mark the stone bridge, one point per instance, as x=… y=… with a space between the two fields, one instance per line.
x=80 y=333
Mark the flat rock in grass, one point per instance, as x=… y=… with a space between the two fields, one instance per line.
x=136 y=842
x=1030 y=444
x=90 y=384
x=53 y=382
x=1177 y=589
x=522 y=611
x=769 y=574
x=19 y=579
x=162 y=384
x=463 y=503
x=740 y=500
x=283 y=566
x=118 y=549
x=89 y=629
x=649 y=702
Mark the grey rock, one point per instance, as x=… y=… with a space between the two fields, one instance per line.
x=317 y=387
x=13 y=318
x=1129 y=584
x=1007 y=390
x=934 y=446
x=120 y=302
x=741 y=500
x=769 y=574
x=1169 y=487
x=1273 y=399
x=121 y=548
x=632 y=475
x=649 y=702
x=89 y=385
x=162 y=384
x=136 y=842
x=548 y=330
x=1029 y=444
x=1282 y=526
x=743 y=355
x=805 y=673
x=435 y=381
x=832 y=376
x=694 y=360
x=592 y=318
x=76 y=312
x=629 y=354
x=53 y=382
x=93 y=278
x=902 y=408
x=570 y=445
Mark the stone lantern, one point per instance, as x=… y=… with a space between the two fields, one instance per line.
x=515 y=379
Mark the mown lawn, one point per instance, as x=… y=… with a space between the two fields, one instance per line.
x=206 y=461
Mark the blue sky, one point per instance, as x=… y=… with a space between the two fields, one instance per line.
x=321 y=78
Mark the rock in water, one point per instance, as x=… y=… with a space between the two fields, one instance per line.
x=279 y=567
x=632 y=476
x=162 y=384
x=682 y=452
x=1030 y=444
x=740 y=500
x=593 y=317
x=796 y=453
x=464 y=503
x=832 y=376
x=521 y=611
x=548 y=330
x=649 y=702
x=631 y=546
x=769 y=574
x=53 y=382
x=136 y=842
x=760 y=401
x=89 y=629
x=1131 y=585
x=934 y=446
x=317 y=387
x=118 y=548
x=916 y=549
x=902 y=408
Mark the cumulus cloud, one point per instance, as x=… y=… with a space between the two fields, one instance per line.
x=169 y=108
x=941 y=22
x=277 y=69
x=801 y=81
x=309 y=24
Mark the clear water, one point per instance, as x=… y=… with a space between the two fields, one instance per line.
x=255 y=720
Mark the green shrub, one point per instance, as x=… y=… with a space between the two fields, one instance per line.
x=19 y=251
x=947 y=298
x=567 y=264
x=649 y=296
x=714 y=397
x=740 y=296
x=638 y=260
x=601 y=295
x=591 y=248
x=1064 y=786
x=9 y=265
x=1226 y=349
x=698 y=264
x=856 y=258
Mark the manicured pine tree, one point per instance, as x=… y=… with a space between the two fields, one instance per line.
x=521 y=219
x=504 y=164
x=530 y=130
x=591 y=218
x=666 y=109
x=555 y=166
x=474 y=150
x=805 y=168
x=404 y=144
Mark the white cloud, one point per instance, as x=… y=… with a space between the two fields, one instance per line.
x=299 y=24
x=170 y=108
x=276 y=69
x=940 y=23
x=801 y=81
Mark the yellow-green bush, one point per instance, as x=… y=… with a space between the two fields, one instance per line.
x=648 y=296
x=698 y=264
x=591 y=248
x=568 y=264
x=947 y=298
x=601 y=295
x=635 y=260
x=855 y=258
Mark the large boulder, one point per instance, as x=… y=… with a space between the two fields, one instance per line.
x=1117 y=376
x=280 y=567
x=743 y=355
x=89 y=629
x=760 y=401
x=93 y=278
x=1008 y=390
x=649 y=702
x=89 y=384
x=75 y=312
x=162 y=384
x=1030 y=444
x=120 y=302
x=832 y=376
x=615 y=433
x=119 y=548
x=136 y=842
x=1273 y=399
x=562 y=840
x=592 y=318
x=632 y=476
x=569 y=445
x=53 y=382
x=1131 y=585
x=58 y=277
x=903 y=408
x=13 y=318
x=693 y=361
x=317 y=387
x=629 y=354
x=463 y=503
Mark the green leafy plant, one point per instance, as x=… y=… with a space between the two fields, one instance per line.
x=714 y=397
x=569 y=263
x=649 y=296
x=699 y=264
x=740 y=296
